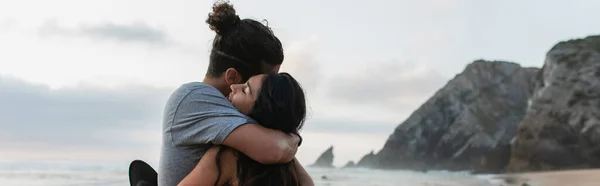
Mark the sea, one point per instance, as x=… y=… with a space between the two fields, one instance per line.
x=41 y=173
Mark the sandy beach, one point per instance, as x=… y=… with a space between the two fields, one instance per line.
x=551 y=178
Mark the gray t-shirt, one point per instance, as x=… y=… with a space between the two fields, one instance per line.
x=196 y=117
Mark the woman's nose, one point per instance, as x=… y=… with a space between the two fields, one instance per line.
x=235 y=87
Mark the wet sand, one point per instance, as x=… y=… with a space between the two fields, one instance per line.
x=368 y=177
x=551 y=178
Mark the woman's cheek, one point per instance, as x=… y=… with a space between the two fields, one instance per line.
x=247 y=108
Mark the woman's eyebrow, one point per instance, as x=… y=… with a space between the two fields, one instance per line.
x=249 y=88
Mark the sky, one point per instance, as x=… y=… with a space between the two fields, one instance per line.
x=87 y=80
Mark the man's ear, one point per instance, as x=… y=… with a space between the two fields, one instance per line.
x=232 y=76
x=276 y=68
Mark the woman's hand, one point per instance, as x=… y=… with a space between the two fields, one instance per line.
x=206 y=172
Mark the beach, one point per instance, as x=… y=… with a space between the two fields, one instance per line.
x=24 y=173
x=550 y=178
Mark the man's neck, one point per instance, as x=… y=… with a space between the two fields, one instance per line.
x=218 y=84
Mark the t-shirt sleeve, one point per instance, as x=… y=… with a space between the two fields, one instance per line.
x=205 y=117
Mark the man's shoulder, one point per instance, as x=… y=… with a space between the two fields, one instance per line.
x=197 y=87
x=199 y=97
x=194 y=89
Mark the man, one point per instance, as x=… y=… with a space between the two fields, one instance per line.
x=198 y=115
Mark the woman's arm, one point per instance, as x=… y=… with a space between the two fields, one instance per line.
x=303 y=176
x=206 y=172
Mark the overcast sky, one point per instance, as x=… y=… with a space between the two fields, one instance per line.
x=87 y=80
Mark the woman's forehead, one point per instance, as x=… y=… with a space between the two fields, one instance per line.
x=255 y=82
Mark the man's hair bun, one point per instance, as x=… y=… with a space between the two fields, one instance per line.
x=223 y=18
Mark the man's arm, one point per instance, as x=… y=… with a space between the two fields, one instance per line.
x=303 y=176
x=266 y=146
x=204 y=116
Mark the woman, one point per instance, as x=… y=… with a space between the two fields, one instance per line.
x=276 y=101
x=197 y=114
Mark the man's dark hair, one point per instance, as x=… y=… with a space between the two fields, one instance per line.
x=244 y=44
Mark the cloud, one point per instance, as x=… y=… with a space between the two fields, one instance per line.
x=7 y=24
x=442 y=7
x=301 y=62
x=389 y=85
x=79 y=116
x=347 y=126
x=136 y=32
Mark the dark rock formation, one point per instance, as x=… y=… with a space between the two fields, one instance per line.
x=561 y=129
x=466 y=125
x=350 y=164
x=369 y=160
x=325 y=160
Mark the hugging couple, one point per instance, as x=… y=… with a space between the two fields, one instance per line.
x=240 y=125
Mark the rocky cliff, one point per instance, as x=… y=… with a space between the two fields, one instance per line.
x=466 y=125
x=561 y=129
x=369 y=160
x=326 y=159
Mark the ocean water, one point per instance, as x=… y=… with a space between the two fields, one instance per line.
x=97 y=174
